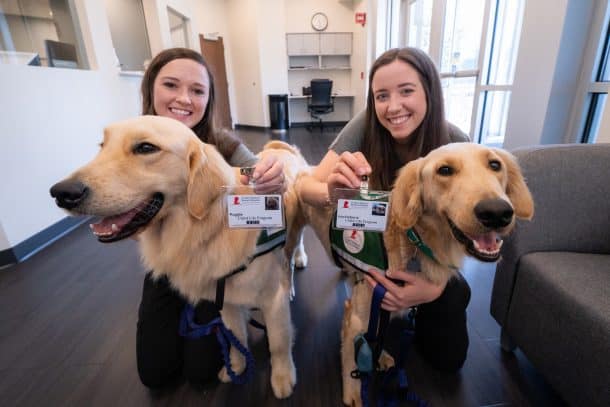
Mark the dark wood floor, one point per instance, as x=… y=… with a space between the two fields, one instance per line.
x=68 y=318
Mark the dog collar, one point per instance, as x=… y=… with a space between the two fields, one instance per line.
x=418 y=242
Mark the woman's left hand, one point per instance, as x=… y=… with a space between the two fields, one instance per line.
x=416 y=289
x=268 y=176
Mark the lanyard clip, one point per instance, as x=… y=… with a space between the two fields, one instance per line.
x=364 y=184
x=248 y=171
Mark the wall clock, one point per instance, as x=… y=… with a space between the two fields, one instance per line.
x=319 y=21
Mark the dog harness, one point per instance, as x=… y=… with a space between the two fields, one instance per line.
x=267 y=241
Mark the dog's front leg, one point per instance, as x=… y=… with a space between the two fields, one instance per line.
x=234 y=318
x=395 y=242
x=355 y=321
x=276 y=312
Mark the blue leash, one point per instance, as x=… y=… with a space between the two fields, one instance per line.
x=190 y=329
x=366 y=359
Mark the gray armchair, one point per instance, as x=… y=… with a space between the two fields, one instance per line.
x=551 y=292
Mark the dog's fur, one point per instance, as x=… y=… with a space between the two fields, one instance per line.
x=188 y=240
x=425 y=199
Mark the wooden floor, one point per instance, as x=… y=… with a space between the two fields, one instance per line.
x=68 y=319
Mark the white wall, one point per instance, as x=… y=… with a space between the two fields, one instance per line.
x=549 y=65
x=341 y=18
x=52 y=121
x=272 y=49
x=246 y=61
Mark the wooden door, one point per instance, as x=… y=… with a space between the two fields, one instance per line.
x=214 y=53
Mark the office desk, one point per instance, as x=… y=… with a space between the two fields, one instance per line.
x=297 y=109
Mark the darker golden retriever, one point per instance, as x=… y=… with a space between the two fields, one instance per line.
x=460 y=199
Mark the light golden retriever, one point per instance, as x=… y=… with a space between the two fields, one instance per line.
x=153 y=176
x=460 y=199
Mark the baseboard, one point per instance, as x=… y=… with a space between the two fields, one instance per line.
x=314 y=124
x=40 y=240
x=249 y=127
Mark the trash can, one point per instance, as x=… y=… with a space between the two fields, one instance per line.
x=278 y=112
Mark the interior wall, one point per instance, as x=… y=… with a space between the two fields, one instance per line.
x=246 y=62
x=543 y=23
x=211 y=19
x=272 y=49
x=53 y=122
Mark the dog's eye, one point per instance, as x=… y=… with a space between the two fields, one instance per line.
x=145 y=148
x=445 y=171
x=495 y=165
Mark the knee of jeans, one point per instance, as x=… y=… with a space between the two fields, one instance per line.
x=158 y=378
x=455 y=297
x=199 y=375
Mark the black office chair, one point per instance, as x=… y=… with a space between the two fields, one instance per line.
x=320 y=101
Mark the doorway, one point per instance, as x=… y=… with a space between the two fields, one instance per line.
x=214 y=54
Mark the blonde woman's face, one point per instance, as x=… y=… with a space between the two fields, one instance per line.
x=181 y=91
x=400 y=99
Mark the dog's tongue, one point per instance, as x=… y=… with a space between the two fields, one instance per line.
x=105 y=226
x=488 y=241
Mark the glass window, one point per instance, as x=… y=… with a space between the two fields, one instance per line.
x=462 y=35
x=594 y=116
x=504 y=34
x=493 y=125
x=40 y=33
x=129 y=34
x=459 y=94
x=420 y=24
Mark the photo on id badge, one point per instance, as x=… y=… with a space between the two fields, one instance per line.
x=272 y=203
x=379 y=209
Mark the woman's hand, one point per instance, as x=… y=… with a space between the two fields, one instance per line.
x=416 y=290
x=347 y=172
x=268 y=176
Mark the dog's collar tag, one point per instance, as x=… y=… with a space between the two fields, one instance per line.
x=414 y=264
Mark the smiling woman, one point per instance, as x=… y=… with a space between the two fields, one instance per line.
x=404 y=120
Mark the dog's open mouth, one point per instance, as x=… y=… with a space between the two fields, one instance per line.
x=485 y=247
x=117 y=227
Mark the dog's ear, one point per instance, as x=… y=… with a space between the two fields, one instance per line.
x=516 y=189
x=406 y=202
x=204 y=183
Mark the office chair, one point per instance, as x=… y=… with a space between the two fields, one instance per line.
x=320 y=101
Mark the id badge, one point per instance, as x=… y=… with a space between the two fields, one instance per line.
x=248 y=210
x=255 y=211
x=362 y=209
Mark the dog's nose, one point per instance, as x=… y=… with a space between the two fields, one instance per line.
x=69 y=194
x=494 y=213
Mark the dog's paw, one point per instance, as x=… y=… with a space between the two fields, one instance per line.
x=386 y=361
x=351 y=396
x=283 y=381
x=223 y=374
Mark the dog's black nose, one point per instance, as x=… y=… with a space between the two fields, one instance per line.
x=69 y=194
x=494 y=213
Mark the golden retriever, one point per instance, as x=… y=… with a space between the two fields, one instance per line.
x=460 y=199
x=154 y=176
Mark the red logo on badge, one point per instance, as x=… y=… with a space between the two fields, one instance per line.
x=346 y=204
x=354 y=233
x=235 y=200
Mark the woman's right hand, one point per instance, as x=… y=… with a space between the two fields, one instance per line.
x=348 y=172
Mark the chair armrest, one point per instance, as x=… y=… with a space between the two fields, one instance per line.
x=569 y=184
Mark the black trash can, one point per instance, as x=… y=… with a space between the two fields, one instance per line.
x=278 y=112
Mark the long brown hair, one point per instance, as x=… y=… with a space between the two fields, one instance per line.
x=379 y=147
x=206 y=129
